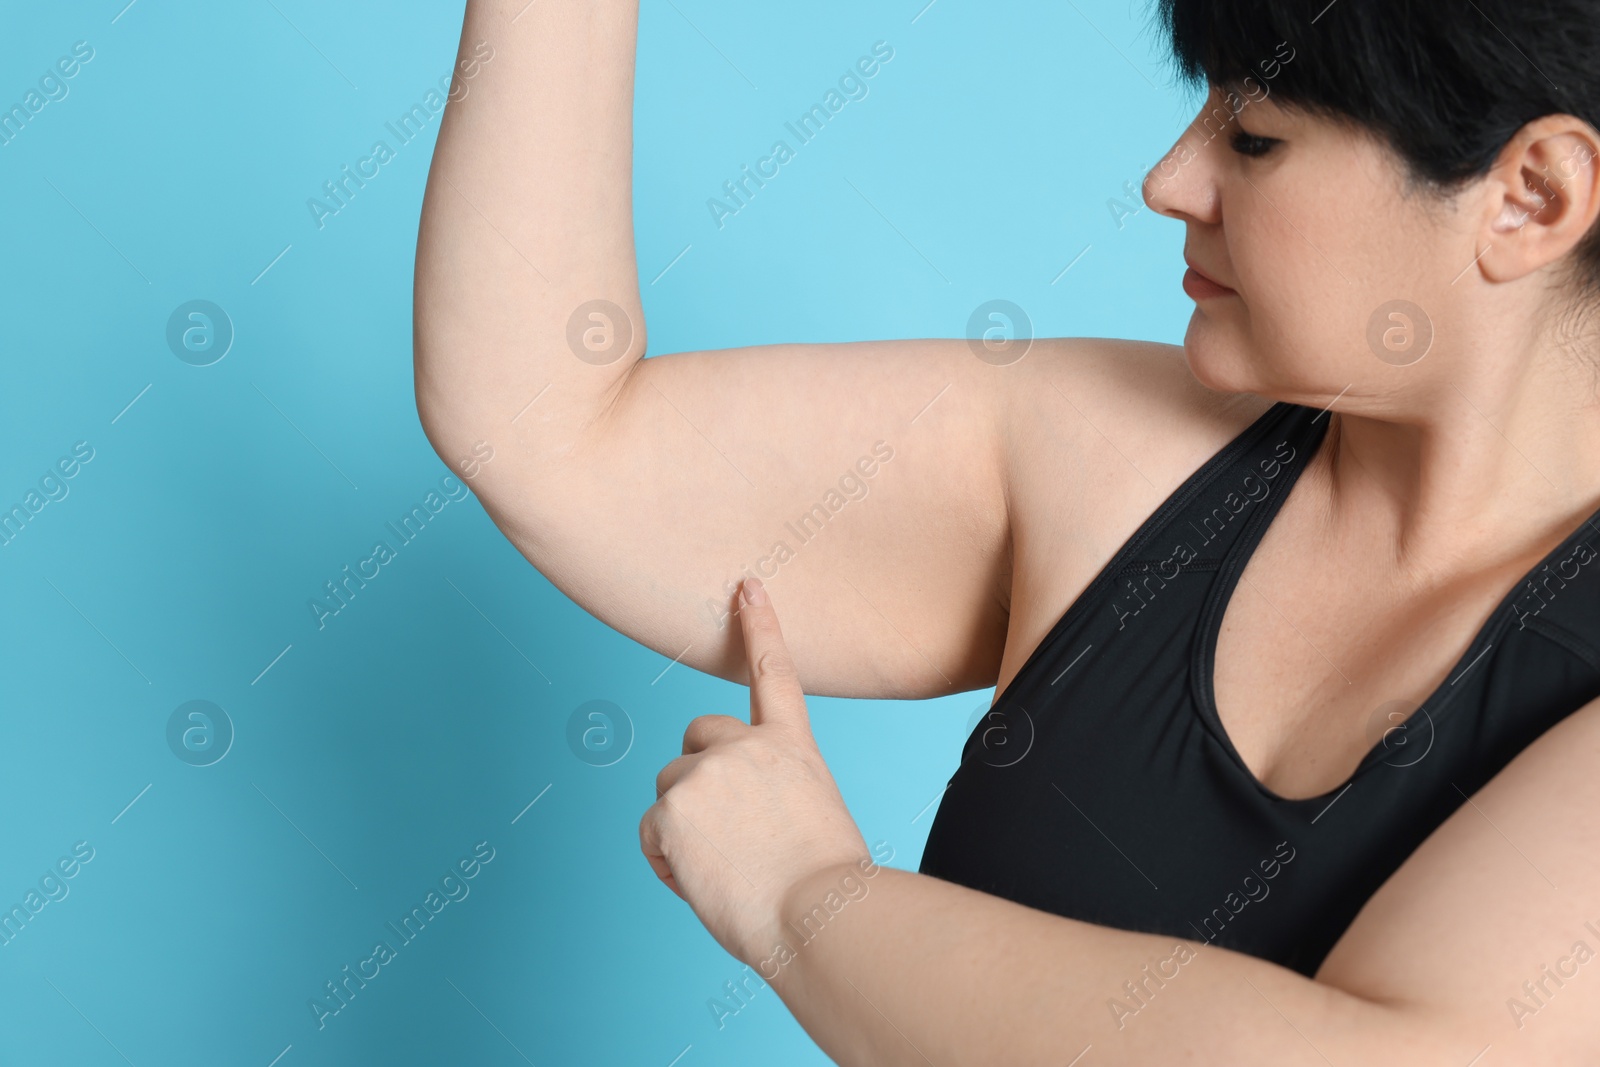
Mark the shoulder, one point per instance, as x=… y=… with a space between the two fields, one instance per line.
x=1114 y=426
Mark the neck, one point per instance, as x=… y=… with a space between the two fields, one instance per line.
x=1492 y=469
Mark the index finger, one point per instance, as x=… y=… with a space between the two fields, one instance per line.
x=775 y=693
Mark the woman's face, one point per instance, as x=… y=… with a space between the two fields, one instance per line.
x=1340 y=277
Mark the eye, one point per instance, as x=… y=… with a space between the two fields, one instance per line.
x=1247 y=144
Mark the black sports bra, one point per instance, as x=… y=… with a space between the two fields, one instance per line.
x=1102 y=786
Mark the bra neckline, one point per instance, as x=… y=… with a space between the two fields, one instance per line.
x=1214 y=608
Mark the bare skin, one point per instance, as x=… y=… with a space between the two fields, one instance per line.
x=643 y=489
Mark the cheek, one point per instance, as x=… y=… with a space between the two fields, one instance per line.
x=1320 y=246
x=1286 y=252
x=1292 y=331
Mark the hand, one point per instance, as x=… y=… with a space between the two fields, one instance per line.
x=749 y=809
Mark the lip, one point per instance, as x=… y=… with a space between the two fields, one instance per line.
x=1200 y=285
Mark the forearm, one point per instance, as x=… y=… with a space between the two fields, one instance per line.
x=918 y=970
x=528 y=215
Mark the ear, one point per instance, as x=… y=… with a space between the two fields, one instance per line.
x=1544 y=196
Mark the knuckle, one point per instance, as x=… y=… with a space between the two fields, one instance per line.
x=666 y=776
x=694 y=735
x=775 y=664
x=650 y=827
x=704 y=730
x=710 y=772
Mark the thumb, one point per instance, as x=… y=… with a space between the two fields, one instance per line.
x=775 y=693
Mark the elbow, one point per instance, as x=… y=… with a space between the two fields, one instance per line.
x=466 y=449
x=436 y=427
x=434 y=412
x=450 y=368
x=450 y=420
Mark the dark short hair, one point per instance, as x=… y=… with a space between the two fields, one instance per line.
x=1445 y=83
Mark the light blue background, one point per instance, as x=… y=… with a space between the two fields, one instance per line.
x=376 y=752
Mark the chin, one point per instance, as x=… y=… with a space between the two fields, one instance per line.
x=1216 y=360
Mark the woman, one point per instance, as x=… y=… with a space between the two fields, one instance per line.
x=1294 y=629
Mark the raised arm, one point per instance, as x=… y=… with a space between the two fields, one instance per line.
x=863 y=481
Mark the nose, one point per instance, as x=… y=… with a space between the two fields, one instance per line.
x=1183 y=185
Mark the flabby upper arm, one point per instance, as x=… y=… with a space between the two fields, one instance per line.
x=861 y=481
